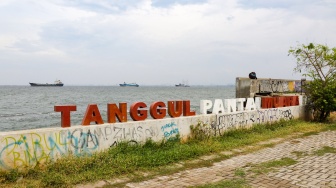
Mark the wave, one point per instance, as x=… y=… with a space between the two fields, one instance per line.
x=12 y=115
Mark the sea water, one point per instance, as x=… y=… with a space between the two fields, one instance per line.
x=25 y=107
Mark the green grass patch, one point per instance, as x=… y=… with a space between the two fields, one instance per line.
x=279 y=163
x=255 y=169
x=310 y=133
x=270 y=145
x=154 y=158
x=264 y=168
x=324 y=150
x=240 y=172
x=234 y=183
x=299 y=154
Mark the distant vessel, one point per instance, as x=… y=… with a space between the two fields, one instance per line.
x=56 y=83
x=129 y=85
x=182 y=85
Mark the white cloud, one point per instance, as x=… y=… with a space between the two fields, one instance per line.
x=155 y=42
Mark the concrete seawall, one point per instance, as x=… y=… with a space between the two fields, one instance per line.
x=28 y=148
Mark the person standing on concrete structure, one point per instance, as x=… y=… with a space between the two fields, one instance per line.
x=253 y=75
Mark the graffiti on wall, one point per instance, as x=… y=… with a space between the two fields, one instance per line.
x=225 y=122
x=279 y=86
x=35 y=148
x=170 y=130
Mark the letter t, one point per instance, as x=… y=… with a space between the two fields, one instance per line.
x=65 y=114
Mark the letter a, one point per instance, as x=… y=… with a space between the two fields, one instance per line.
x=92 y=114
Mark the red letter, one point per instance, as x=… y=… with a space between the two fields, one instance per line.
x=283 y=102
x=113 y=111
x=92 y=114
x=278 y=102
x=65 y=114
x=175 y=112
x=138 y=115
x=158 y=113
x=267 y=102
x=186 y=109
x=288 y=101
x=295 y=101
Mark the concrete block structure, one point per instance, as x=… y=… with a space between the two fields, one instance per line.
x=246 y=87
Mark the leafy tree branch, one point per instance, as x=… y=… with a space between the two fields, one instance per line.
x=317 y=62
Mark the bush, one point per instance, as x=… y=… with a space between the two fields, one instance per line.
x=321 y=99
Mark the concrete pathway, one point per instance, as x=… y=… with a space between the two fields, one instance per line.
x=310 y=170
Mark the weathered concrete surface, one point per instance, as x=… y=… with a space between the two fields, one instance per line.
x=310 y=171
x=246 y=87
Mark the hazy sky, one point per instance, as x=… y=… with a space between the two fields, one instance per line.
x=157 y=42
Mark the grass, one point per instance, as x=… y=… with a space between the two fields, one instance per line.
x=133 y=161
x=252 y=169
x=324 y=150
x=264 y=168
x=299 y=154
x=234 y=183
x=240 y=172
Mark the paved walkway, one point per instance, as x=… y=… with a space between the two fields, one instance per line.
x=310 y=170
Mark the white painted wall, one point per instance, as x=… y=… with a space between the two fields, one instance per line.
x=29 y=147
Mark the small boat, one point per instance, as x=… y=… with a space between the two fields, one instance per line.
x=184 y=83
x=129 y=85
x=181 y=85
x=56 y=83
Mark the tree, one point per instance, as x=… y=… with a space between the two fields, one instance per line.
x=318 y=62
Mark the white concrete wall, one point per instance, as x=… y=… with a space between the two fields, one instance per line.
x=27 y=148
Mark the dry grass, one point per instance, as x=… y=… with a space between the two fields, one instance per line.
x=332 y=117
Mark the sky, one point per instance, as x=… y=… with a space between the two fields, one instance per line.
x=157 y=42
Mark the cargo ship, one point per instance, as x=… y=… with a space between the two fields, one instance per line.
x=56 y=83
x=129 y=85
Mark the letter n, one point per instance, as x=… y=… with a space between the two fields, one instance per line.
x=113 y=111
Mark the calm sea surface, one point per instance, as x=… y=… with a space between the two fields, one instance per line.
x=25 y=107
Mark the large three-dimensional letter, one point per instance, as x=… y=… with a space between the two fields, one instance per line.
x=92 y=114
x=175 y=111
x=65 y=114
x=136 y=114
x=113 y=111
x=158 y=110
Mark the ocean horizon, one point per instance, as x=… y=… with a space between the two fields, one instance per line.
x=26 y=107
